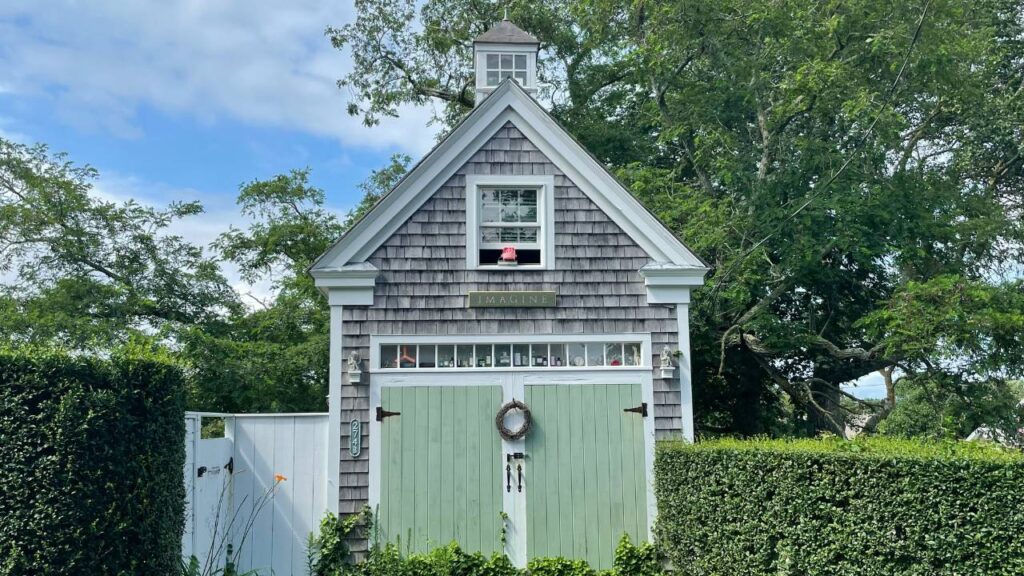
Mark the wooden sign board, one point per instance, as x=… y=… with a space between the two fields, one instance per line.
x=534 y=299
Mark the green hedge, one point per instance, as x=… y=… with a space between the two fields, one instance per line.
x=91 y=454
x=833 y=507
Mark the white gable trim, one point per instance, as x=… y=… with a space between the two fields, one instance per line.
x=508 y=103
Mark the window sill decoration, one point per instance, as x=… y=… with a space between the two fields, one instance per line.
x=511 y=356
x=508 y=257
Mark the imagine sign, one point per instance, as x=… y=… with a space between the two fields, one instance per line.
x=536 y=299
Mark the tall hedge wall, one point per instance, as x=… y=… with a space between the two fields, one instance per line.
x=91 y=453
x=824 y=507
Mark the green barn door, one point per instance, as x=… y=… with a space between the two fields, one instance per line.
x=441 y=467
x=586 y=482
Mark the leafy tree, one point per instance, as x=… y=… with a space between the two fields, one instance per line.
x=92 y=275
x=924 y=410
x=89 y=273
x=852 y=171
x=274 y=357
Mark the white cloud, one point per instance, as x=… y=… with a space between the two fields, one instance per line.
x=262 y=62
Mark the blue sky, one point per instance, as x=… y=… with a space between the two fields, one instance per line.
x=186 y=99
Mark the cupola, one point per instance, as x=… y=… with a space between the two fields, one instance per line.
x=505 y=51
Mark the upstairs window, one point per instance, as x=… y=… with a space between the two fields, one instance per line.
x=501 y=66
x=509 y=221
x=509 y=218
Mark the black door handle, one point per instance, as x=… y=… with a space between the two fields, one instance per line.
x=508 y=477
x=519 y=472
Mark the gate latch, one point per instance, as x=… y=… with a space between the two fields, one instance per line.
x=382 y=414
x=641 y=409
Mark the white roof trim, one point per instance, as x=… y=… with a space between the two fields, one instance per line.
x=507 y=103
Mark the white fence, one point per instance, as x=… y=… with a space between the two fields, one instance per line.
x=234 y=496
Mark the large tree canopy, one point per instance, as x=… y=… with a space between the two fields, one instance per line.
x=86 y=272
x=90 y=275
x=851 y=170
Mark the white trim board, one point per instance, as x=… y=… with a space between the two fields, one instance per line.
x=508 y=103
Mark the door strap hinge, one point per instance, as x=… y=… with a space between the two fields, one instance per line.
x=641 y=409
x=382 y=414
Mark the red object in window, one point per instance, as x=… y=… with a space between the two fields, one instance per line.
x=508 y=254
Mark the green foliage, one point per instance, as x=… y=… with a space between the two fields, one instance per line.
x=329 y=555
x=274 y=357
x=870 y=507
x=559 y=567
x=956 y=410
x=451 y=560
x=329 y=549
x=91 y=273
x=92 y=456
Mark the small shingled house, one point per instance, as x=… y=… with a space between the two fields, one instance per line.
x=509 y=335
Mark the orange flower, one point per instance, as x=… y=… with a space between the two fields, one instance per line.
x=279 y=478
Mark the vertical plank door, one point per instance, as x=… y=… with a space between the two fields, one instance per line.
x=585 y=474
x=441 y=468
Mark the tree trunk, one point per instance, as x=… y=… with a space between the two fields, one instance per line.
x=825 y=414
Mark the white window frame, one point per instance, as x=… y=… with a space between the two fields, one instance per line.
x=481 y=63
x=511 y=71
x=643 y=339
x=545 y=186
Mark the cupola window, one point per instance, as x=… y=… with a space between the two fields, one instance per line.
x=501 y=66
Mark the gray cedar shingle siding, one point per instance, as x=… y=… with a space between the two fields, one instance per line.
x=423 y=284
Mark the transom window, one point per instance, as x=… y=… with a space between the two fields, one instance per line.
x=501 y=66
x=509 y=217
x=512 y=355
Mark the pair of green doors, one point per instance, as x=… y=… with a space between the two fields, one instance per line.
x=445 y=474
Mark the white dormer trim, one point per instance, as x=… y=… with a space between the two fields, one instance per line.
x=509 y=103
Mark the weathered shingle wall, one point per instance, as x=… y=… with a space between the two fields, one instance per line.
x=423 y=284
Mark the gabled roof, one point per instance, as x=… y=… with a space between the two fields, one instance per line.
x=508 y=103
x=505 y=32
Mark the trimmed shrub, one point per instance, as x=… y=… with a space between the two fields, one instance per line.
x=872 y=507
x=92 y=453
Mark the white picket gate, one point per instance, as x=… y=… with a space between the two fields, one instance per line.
x=233 y=496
